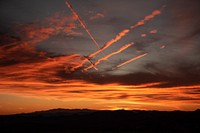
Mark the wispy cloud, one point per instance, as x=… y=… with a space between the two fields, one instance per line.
x=97 y=16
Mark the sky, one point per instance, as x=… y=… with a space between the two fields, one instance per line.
x=105 y=54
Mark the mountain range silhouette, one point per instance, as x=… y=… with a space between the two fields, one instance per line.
x=101 y=121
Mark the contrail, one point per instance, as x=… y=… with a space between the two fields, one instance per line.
x=109 y=55
x=149 y=17
x=82 y=23
x=126 y=31
x=131 y=60
x=109 y=43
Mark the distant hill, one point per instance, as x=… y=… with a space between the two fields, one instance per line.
x=96 y=121
x=60 y=111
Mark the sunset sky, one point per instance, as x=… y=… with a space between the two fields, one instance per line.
x=99 y=54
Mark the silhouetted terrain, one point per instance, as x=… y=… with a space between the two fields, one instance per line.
x=93 y=121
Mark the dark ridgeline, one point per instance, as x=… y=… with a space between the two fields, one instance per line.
x=93 y=121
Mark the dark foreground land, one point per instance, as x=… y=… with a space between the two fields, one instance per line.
x=91 y=121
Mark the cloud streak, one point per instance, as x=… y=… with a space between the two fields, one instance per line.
x=97 y=16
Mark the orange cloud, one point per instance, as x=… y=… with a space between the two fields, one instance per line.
x=97 y=16
x=163 y=46
x=23 y=48
x=34 y=33
x=147 y=18
x=143 y=35
x=49 y=27
x=153 y=31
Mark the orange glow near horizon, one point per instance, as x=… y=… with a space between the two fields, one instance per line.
x=110 y=96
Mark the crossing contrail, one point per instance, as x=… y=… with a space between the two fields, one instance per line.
x=117 y=37
x=82 y=64
x=109 y=55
